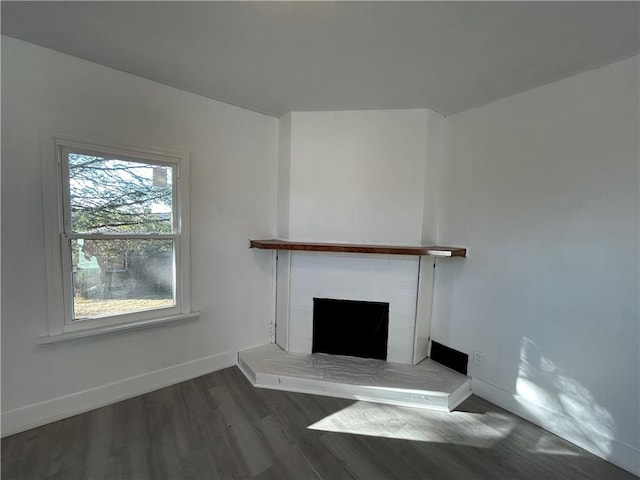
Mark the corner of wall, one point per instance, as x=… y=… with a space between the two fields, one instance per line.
x=284 y=176
x=434 y=161
x=617 y=452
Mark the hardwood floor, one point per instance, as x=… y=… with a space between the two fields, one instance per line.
x=218 y=427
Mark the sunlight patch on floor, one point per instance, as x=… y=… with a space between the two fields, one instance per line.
x=550 y=445
x=406 y=423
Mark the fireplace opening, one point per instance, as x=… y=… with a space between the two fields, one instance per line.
x=350 y=327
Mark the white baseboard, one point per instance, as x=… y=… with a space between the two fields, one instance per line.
x=622 y=455
x=31 y=416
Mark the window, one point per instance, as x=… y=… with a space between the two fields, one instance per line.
x=117 y=236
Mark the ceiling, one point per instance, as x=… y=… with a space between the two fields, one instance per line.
x=277 y=57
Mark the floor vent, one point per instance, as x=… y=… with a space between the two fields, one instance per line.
x=449 y=357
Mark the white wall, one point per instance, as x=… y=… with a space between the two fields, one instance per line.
x=233 y=197
x=543 y=189
x=358 y=176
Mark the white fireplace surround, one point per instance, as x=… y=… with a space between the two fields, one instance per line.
x=405 y=282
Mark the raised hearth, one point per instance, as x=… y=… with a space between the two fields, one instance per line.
x=426 y=385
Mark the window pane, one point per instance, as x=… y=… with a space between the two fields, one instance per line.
x=111 y=277
x=109 y=195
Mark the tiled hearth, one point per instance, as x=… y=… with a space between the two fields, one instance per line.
x=426 y=385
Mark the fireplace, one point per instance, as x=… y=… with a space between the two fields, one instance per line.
x=350 y=327
x=392 y=280
x=401 y=275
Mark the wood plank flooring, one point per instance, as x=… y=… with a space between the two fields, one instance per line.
x=219 y=427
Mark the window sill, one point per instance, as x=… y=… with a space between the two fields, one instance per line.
x=63 y=337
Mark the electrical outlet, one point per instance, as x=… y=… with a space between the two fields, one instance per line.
x=478 y=358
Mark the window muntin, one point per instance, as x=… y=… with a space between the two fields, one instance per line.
x=120 y=237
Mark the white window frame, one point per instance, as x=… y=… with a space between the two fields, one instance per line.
x=61 y=325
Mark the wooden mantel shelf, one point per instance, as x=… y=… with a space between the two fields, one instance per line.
x=434 y=251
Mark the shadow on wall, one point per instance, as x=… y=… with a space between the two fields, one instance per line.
x=544 y=389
